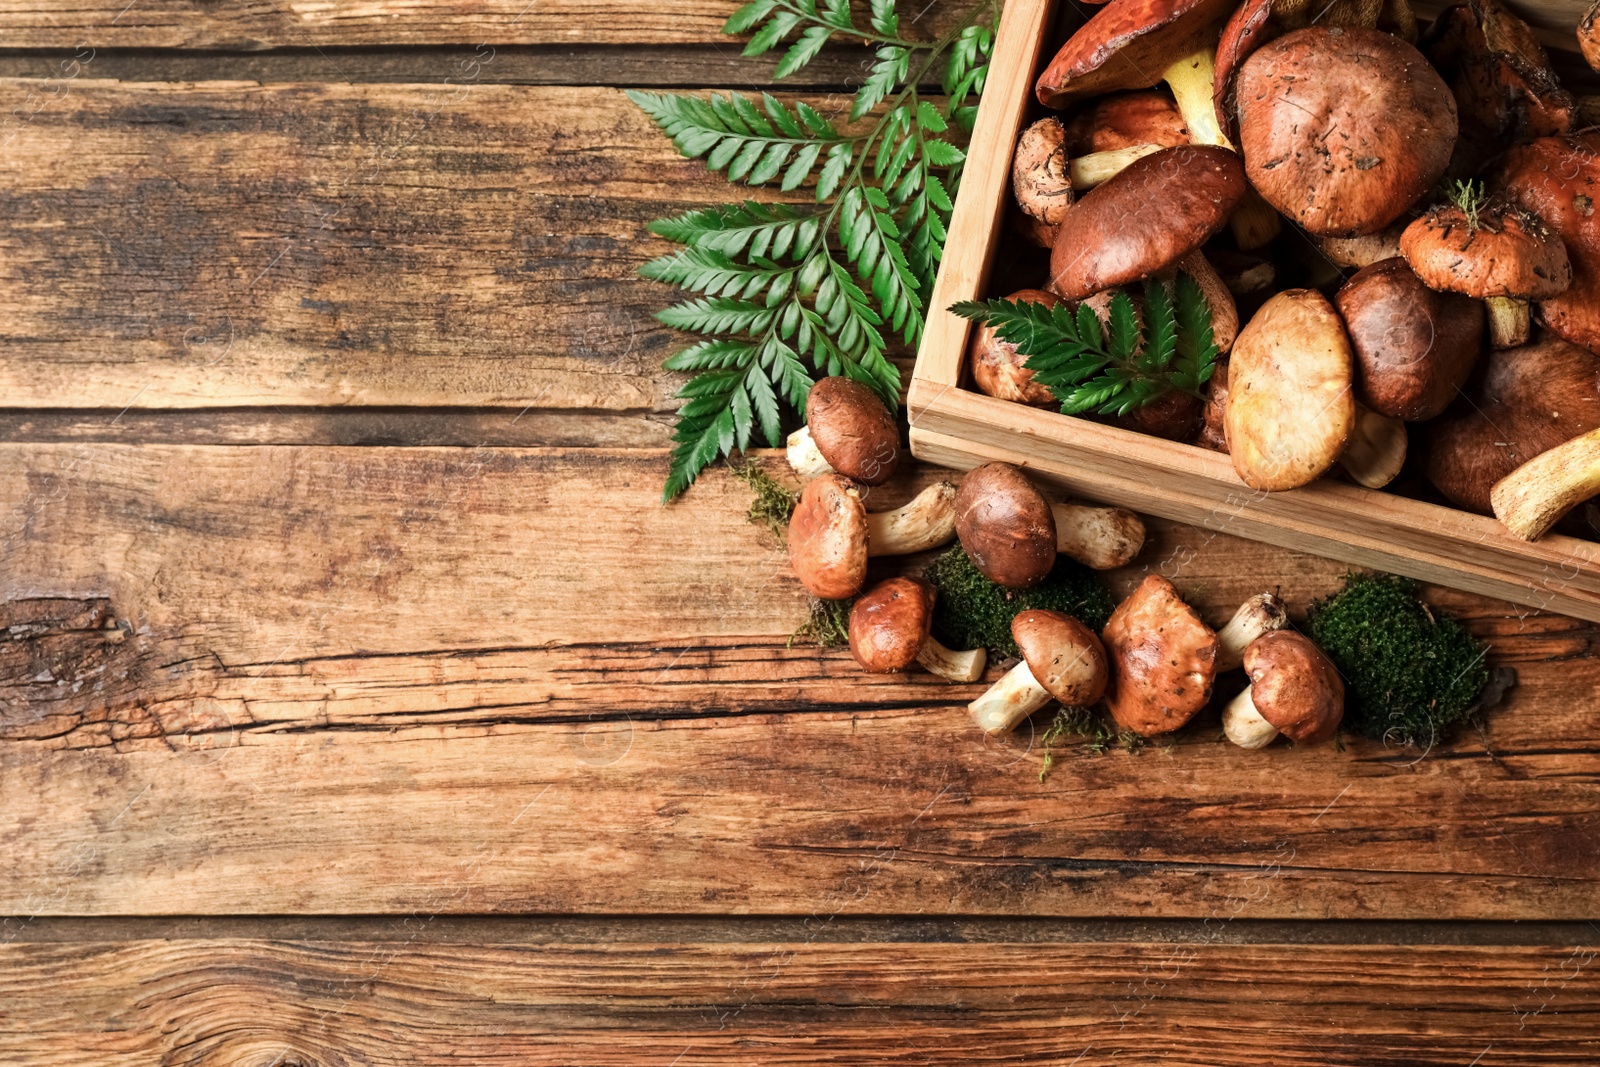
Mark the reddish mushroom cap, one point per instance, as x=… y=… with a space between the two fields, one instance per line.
x=1245 y=31
x=1127 y=45
x=1126 y=120
x=1506 y=251
x=828 y=538
x=1558 y=179
x=1163 y=659
x=889 y=624
x=853 y=430
x=1294 y=686
x=1064 y=656
x=1343 y=129
x=1143 y=220
x=1005 y=526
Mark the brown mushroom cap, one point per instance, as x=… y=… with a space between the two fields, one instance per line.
x=1558 y=179
x=1508 y=253
x=828 y=538
x=1039 y=176
x=1126 y=120
x=889 y=624
x=1128 y=44
x=1343 y=129
x=1290 y=404
x=1294 y=686
x=1589 y=35
x=1247 y=29
x=997 y=367
x=1064 y=655
x=1364 y=250
x=1163 y=660
x=1005 y=526
x=853 y=430
x=1157 y=210
x=1414 y=347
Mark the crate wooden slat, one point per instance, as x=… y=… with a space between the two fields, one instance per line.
x=959 y=427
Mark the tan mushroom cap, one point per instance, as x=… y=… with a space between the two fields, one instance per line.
x=1126 y=120
x=1508 y=253
x=1589 y=35
x=1005 y=526
x=889 y=624
x=1163 y=660
x=1414 y=346
x=1343 y=129
x=828 y=538
x=1558 y=179
x=1294 y=686
x=1140 y=222
x=1128 y=44
x=853 y=430
x=1064 y=655
x=1290 y=404
x=997 y=366
x=1040 y=179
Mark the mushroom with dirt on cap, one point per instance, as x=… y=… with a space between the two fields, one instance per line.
x=1558 y=179
x=1005 y=526
x=890 y=630
x=831 y=533
x=1294 y=690
x=1494 y=250
x=1163 y=660
x=848 y=429
x=1061 y=659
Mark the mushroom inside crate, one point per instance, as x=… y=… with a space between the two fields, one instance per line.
x=1442 y=203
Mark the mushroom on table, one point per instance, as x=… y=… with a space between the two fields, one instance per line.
x=1294 y=690
x=1256 y=617
x=890 y=630
x=831 y=534
x=849 y=430
x=1062 y=659
x=1163 y=660
x=1005 y=526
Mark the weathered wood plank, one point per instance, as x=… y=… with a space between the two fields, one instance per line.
x=357 y=678
x=1096 y=1005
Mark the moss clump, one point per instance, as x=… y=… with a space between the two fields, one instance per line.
x=773 y=504
x=828 y=626
x=973 y=612
x=1410 y=676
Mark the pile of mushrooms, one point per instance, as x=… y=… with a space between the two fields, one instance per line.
x=1442 y=215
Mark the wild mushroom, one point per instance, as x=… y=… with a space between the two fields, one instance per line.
x=1414 y=346
x=1343 y=129
x=1294 y=690
x=1360 y=252
x=849 y=430
x=1039 y=177
x=831 y=535
x=1120 y=121
x=1497 y=251
x=1163 y=660
x=1535 y=496
x=1290 y=411
x=1141 y=222
x=1213 y=427
x=1558 y=179
x=889 y=631
x=1376 y=451
x=1101 y=539
x=1256 y=617
x=1062 y=659
x=1589 y=35
x=998 y=368
x=1005 y=526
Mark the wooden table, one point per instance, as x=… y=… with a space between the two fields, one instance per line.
x=359 y=704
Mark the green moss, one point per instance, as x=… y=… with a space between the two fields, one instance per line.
x=773 y=504
x=1410 y=675
x=973 y=612
x=828 y=626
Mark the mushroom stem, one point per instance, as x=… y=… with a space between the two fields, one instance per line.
x=1090 y=170
x=1532 y=498
x=1099 y=538
x=1261 y=614
x=1509 y=321
x=804 y=455
x=1007 y=702
x=950 y=664
x=1243 y=724
x=927 y=522
x=1377 y=448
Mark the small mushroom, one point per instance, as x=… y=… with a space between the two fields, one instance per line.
x=1039 y=177
x=889 y=631
x=1294 y=690
x=1005 y=526
x=1414 y=346
x=1118 y=121
x=1343 y=129
x=1558 y=179
x=1499 y=252
x=1364 y=250
x=849 y=430
x=998 y=368
x=1061 y=659
x=831 y=535
x=1163 y=660
x=1099 y=538
x=1376 y=451
x=1256 y=617
x=1143 y=221
x=1289 y=409
x=1535 y=496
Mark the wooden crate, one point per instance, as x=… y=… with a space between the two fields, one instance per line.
x=957 y=426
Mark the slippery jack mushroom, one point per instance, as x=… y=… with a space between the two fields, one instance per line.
x=1006 y=527
x=848 y=429
x=890 y=630
x=1495 y=251
x=831 y=534
x=1535 y=496
x=1062 y=659
x=1163 y=660
x=999 y=370
x=1294 y=690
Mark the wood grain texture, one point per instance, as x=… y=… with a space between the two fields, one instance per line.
x=1099 y=1005
x=354 y=679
